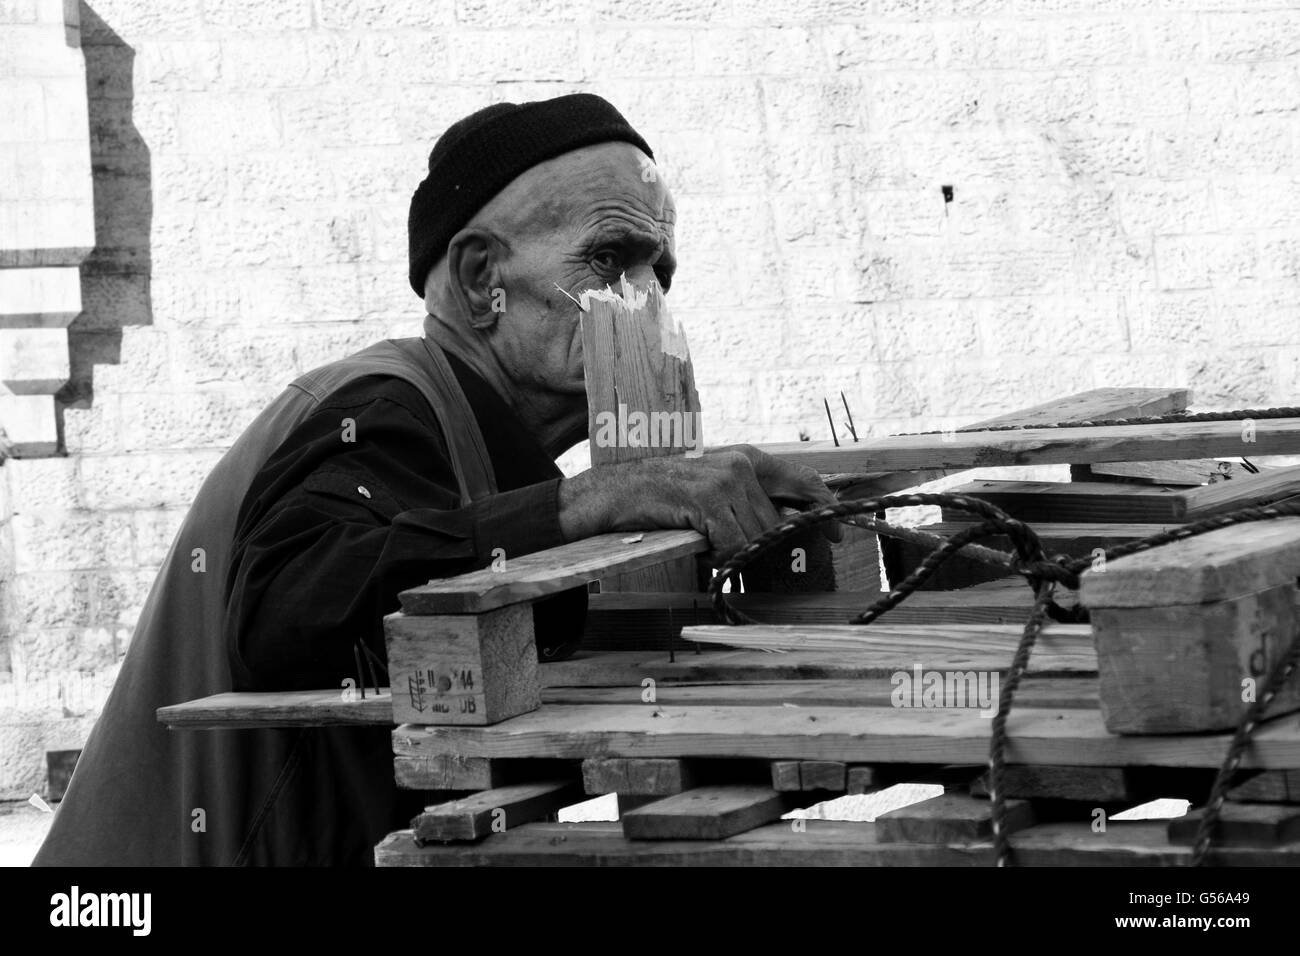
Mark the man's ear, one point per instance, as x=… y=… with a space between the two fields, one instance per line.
x=474 y=275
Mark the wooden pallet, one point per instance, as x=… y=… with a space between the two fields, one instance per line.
x=710 y=749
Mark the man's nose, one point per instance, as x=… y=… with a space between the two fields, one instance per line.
x=642 y=276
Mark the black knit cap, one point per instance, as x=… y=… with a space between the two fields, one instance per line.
x=479 y=155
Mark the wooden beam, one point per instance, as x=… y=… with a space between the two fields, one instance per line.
x=949 y=818
x=475 y=816
x=817 y=843
x=532 y=576
x=1098 y=404
x=1268 y=786
x=657 y=776
x=1047 y=446
x=1242 y=824
x=850 y=734
x=1057 y=501
x=706 y=813
x=1188 y=473
x=1227 y=563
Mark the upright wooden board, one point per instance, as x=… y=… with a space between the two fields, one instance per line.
x=641 y=399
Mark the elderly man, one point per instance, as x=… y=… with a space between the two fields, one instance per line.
x=413 y=459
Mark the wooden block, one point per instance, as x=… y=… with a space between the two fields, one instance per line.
x=706 y=813
x=1219 y=565
x=494 y=811
x=1268 y=786
x=861 y=780
x=462 y=668
x=447 y=772
x=1242 y=824
x=822 y=775
x=1046 y=446
x=1184 y=669
x=949 y=818
x=785 y=776
x=661 y=776
x=543 y=573
x=1100 y=784
x=1186 y=633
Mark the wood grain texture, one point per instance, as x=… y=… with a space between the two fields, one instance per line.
x=1226 y=563
x=1045 y=446
x=785 y=776
x=475 y=816
x=706 y=813
x=637 y=363
x=1057 y=501
x=1101 y=785
x=1187 y=473
x=1242 y=824
x=657 y=776
x=1186 y=668
x=853 y=735
x=820 y=843
x=281 y=709
x=543 y=573
x=1268 y=786
x=949 y=818
x=1097 y=404
x=462 y=668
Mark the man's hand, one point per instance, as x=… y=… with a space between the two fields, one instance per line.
x=730 y=495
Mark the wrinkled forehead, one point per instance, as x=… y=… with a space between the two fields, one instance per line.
x=569 y=192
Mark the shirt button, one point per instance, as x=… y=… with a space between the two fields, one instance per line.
x=361 y=490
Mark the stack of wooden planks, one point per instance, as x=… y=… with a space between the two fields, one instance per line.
x=715 y=739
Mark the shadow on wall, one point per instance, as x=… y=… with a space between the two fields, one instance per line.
x=115 y=276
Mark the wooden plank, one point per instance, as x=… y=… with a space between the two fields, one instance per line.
x=868 y=688
x=950 y=818
x=1188 y=473
x=1223 y=564
x=542 y=573
x=1064 y=502
x=638 y=371
x=1067 y=645
x=1047 y=446
x=853 y=735
x=296 y=708
x=706 y=813
x=817 y=843
x=1098 y=404
x=475 y=816
x=1107 y=502
x=1242 y=824
x=1268 y=786
x=657 y=776
x=1100 y=784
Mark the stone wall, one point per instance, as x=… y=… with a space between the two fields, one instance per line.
x=944 y=208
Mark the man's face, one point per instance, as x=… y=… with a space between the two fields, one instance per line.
x=577 y=222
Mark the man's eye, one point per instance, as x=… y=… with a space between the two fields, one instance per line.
x=607 y=260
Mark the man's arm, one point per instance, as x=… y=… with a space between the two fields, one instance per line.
x=331 y=531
